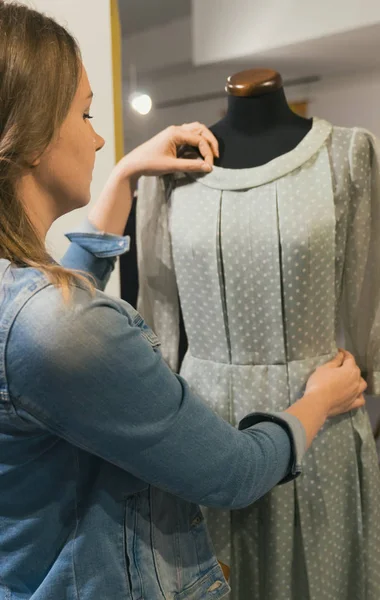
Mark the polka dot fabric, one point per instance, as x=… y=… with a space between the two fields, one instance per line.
x=271 y=264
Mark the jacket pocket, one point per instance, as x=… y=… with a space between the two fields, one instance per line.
x=201 y=539
x=211 y=586
x=183 y=553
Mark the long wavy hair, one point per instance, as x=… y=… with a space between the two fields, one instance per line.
x=40 y=69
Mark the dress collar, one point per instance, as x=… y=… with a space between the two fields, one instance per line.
x=238 y=179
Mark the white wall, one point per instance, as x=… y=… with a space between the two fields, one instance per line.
x=349 y=100
x=223 y=30
x=138 y=129
x=346 y=100
x=186 y=82
x=160 y=47
x=90 y=23
x=162 y=57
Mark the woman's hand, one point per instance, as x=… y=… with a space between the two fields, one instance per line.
x=158 y=156
x=333 y=389
x=339 y=384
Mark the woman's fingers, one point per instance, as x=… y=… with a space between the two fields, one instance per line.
x=199 y=136
x=359 y=402
x=211 y=139
x=346 y=353
x=350 y=365
x=206 y=151
x=196 y=140
x=351 y=368
x=159 y=155
x=337 y=361
x=202 y=130
x=187 y=165
x=362 y=386
x=348 y=360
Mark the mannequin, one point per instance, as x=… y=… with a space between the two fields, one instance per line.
x=259 y=125
x=262 y=255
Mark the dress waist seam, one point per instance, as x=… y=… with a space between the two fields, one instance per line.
x=316 y=358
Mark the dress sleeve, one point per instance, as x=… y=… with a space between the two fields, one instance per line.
x=158 y=294
x=361 y=274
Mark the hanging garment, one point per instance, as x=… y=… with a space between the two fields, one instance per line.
x=271 y=264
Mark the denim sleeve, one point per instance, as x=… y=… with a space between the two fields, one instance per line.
x=94 y=252
x=89 y=375
x=296 y=431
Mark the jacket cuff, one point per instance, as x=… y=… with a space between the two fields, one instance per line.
x=294 y=429
x=99 y=243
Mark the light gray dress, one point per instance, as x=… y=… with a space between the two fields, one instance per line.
x=271 y=264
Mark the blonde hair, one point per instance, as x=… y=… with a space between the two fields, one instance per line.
x=40 y=69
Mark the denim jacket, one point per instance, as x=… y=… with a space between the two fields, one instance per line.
x=105 y=454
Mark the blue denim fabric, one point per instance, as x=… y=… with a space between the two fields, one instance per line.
x=94 y=252
x=105 y=454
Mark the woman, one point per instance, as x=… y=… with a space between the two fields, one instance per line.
x=103 y=450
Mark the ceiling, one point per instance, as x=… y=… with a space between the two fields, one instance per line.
x=139 y=15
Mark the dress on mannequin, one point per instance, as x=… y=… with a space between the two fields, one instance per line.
x=269 y=263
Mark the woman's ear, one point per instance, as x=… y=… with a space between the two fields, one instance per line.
x=35 y=162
